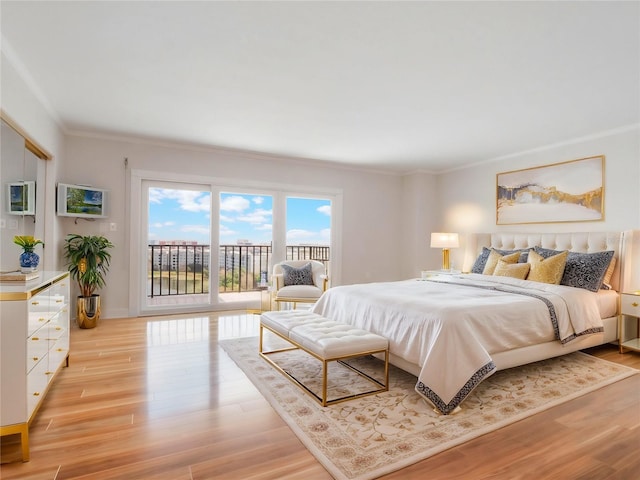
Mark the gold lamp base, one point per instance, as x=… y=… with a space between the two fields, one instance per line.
x=445 y=259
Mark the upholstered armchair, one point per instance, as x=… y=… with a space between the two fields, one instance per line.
x=299 y=281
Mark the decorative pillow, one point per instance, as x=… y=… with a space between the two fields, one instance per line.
x=515 y=270
x=481 y=261
x=606 y=281
x=297 y=276
x=524 y=254
x=584 y=270
x=493 y=259
x=547 y=270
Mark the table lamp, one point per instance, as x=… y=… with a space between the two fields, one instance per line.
x=445 y=241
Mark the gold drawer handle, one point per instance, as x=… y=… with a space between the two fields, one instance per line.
x=58 y=328
x=48 y=373
x=634 y=304
x=35 y=359
x=35 y=339
x=36 y=394
x=60 y=350
x=41 y=319
x=35 y=303
x=58 y=301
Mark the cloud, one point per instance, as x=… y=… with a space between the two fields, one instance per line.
x=156 y=195
x=188 y=200
x=299 y=234
x=267 y=227
x=258 y=200
x=226 y=231
x=201 y=229
x=308 y=237
x=325 y=209
x=256 y=217
x=162 y=224
x=234 y=203
x=325 y=234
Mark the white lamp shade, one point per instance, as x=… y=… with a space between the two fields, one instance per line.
x=444 y=240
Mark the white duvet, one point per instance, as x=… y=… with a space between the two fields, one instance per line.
x=451 y=325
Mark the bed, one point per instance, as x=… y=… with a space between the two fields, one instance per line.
x=452 y=331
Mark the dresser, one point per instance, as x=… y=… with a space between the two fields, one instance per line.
x=34 y=346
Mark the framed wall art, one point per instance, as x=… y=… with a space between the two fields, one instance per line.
x=571 y=191
x=21 y=198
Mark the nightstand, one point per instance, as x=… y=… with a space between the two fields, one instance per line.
x=629 y=305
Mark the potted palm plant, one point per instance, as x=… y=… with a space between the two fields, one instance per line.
x=88 y=260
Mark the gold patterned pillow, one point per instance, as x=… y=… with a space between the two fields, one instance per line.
x=493 y=259
x=546 y=270
x=514 y=270
x=606 y=281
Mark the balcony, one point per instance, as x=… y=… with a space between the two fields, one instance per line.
x=179 y=274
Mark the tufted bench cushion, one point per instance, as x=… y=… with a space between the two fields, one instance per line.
x=328 y=341
x=286 y=320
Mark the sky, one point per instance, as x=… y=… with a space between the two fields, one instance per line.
x=185 y=215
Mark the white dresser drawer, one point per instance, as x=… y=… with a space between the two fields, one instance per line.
x=37 y=347
x=36 y=320
x=630 y=304
x=37 y=381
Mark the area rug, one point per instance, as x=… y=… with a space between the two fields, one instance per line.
x=365 y=438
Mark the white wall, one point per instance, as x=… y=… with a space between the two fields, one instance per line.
x=28 y=112
x=421 y=216
x=468 y=196
x=372 y=241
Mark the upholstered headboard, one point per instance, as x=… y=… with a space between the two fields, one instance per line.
x=583 y=242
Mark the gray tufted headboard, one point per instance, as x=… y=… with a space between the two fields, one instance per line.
x=584 y=242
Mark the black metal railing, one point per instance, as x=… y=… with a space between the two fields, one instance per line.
x=184 y=269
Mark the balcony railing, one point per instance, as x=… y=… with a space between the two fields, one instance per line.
x=184 y=269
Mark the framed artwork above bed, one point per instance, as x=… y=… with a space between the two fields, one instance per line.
x=571 y=191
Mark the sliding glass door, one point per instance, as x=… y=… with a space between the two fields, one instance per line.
x=199 y=244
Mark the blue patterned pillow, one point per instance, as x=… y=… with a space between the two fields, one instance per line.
x=481 y=261
x=297 y=276
x=583 y=270
x=478 y=266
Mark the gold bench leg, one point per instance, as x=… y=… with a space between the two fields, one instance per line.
x=324 y=382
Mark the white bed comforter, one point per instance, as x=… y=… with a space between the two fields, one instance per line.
x=450 y=325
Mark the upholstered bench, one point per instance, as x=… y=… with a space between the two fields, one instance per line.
x=328 y=341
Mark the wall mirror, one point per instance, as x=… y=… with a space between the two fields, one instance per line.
x=22 y=179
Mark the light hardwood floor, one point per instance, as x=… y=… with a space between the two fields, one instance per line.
x=158 y=398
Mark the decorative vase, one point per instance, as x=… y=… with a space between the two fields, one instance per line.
x=29 y=261
x=88 y=311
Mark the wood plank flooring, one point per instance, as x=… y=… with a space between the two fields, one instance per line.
x=158 y=398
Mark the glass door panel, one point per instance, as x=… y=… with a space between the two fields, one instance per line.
x=308 y=224
x=245 y=243
x=178 y=245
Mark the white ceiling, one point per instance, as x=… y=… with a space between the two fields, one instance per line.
x=397 y=86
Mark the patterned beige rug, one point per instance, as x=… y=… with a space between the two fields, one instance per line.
x=365 y=438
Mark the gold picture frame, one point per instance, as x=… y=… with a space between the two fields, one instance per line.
x=571 y=191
